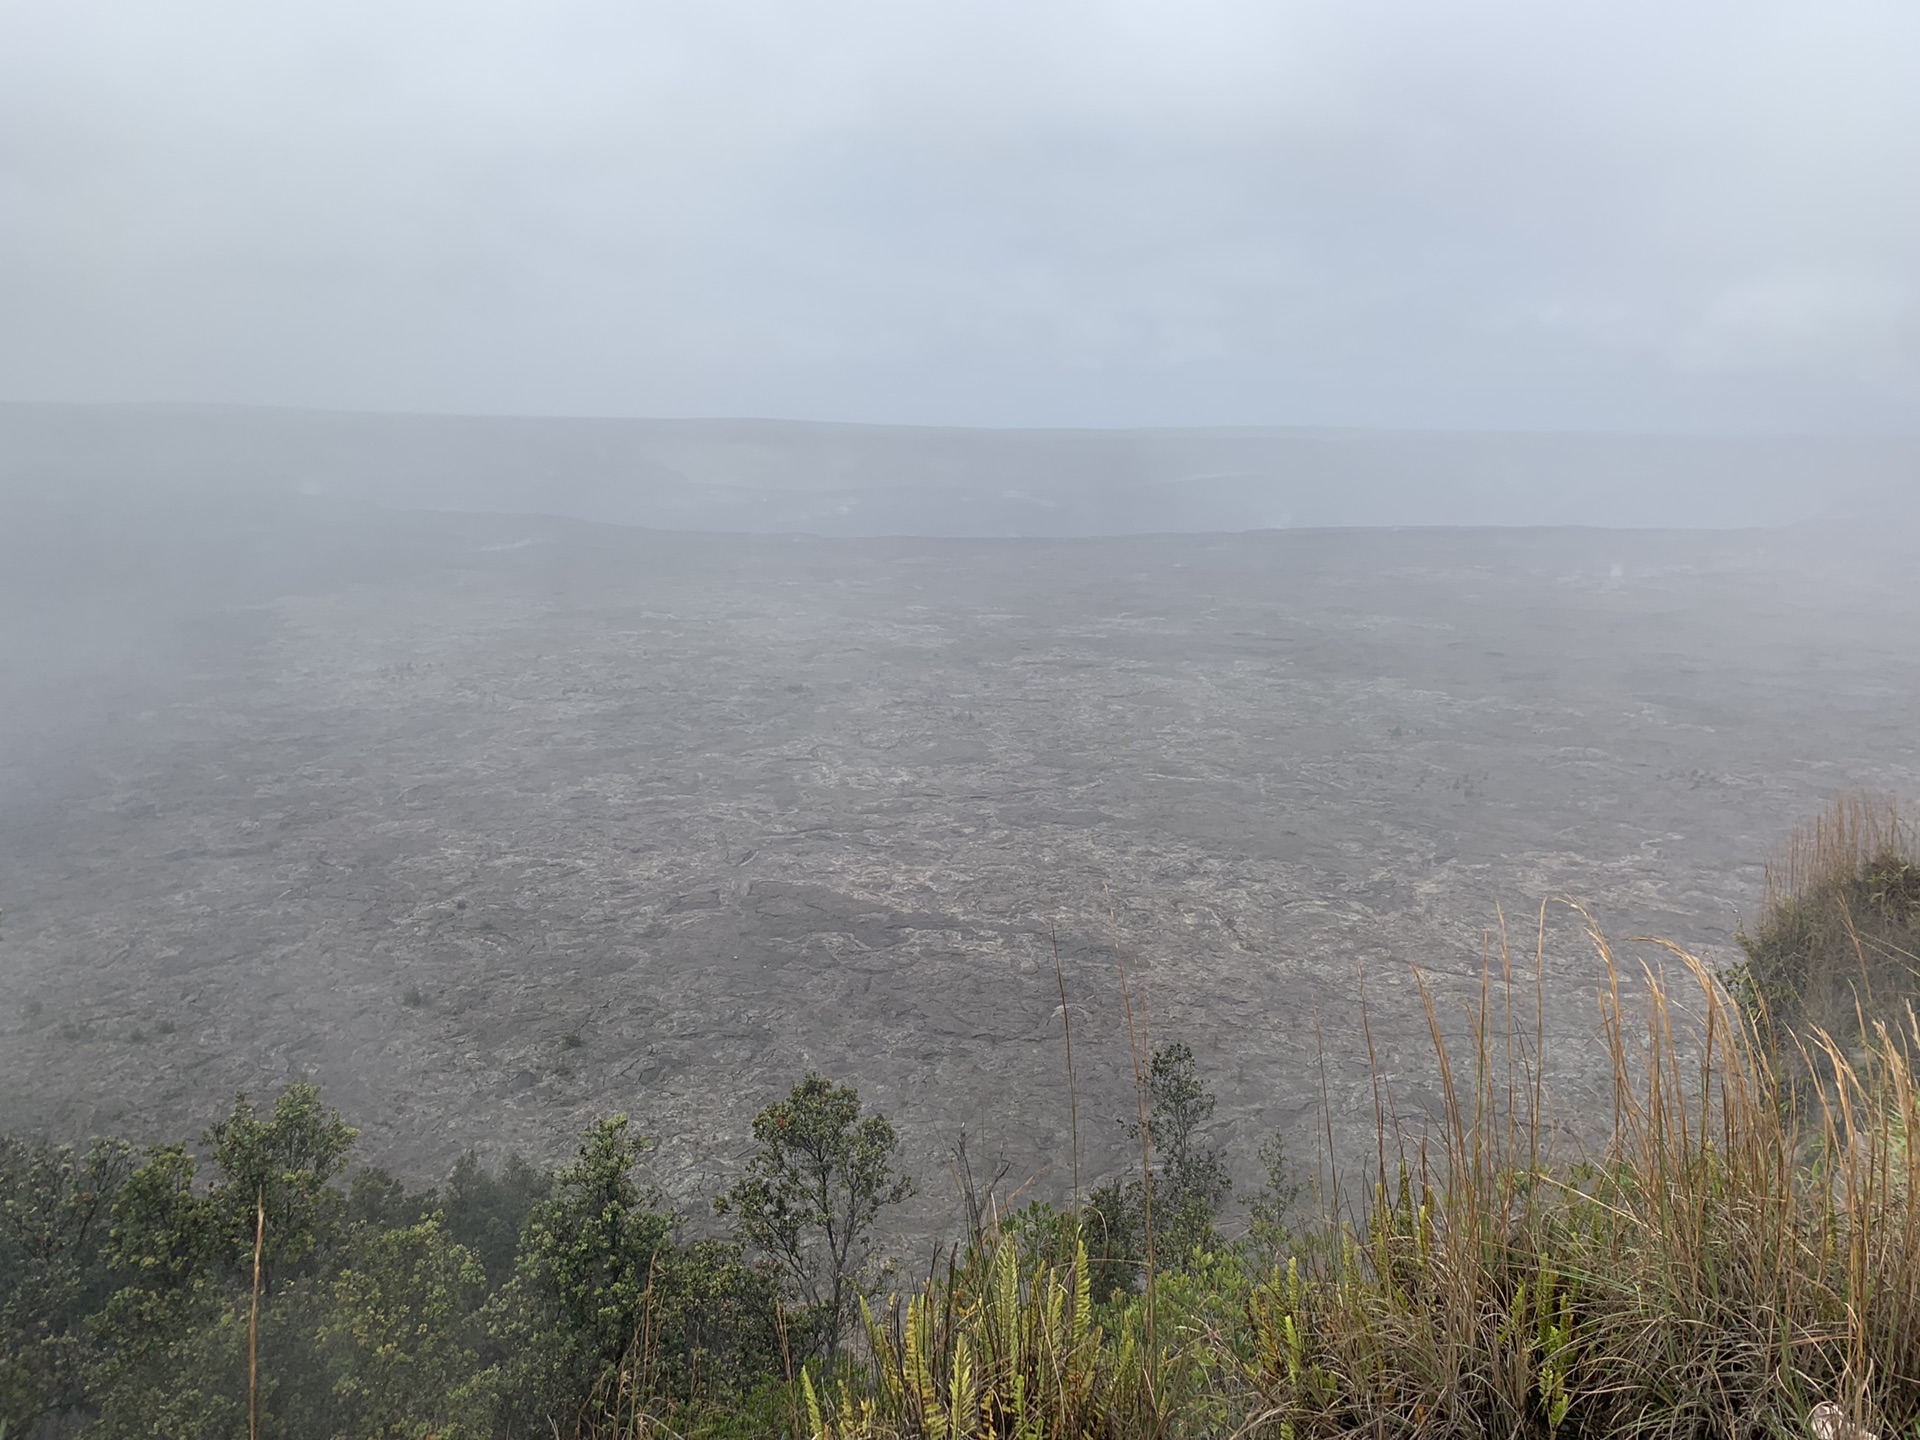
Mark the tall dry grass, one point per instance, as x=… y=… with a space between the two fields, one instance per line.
x=1835 y=847
x=1722 y=1265
x=1836 y=947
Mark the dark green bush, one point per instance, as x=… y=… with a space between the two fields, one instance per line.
x=1836 y=949
x=1167 y=1216
x=55 y=1211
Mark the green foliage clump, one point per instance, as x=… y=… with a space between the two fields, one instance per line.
x=171 y=1344
x=1836 y=950
x=281 y=1167
x=582 y=1287
x=55 y=1209
x=1167 y=1215
x=486 y=1211
x=157 y=1294
x=820 y=1174
x=399 y=1335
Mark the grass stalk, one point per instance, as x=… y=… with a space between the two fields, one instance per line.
x=253 y=1317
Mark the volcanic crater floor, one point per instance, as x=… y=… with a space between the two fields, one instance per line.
x=492 y=824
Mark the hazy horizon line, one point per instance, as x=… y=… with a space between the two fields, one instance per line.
x=1250 y=428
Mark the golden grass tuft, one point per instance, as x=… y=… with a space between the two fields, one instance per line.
x=1836 y=847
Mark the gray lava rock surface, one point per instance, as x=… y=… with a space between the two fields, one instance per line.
x=402 y=802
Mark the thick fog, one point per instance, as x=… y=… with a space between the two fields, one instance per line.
x=571 y=557
x=783 y=476
x=1486 y=215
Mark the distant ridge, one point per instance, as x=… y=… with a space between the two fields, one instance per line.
x=773 y=476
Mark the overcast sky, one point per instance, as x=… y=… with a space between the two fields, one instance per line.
x=1624 y=214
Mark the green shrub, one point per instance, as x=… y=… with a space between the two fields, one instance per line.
x=821 y=1173
x=55 y=1208
x=1836 y=950
x=172 y=1341
x=609 y=1318
x=398 y=1337
x=582 y=1287
x=1167 y=1216
x=486 y=1211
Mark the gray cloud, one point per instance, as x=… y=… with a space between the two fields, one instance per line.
x=1488 y=213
